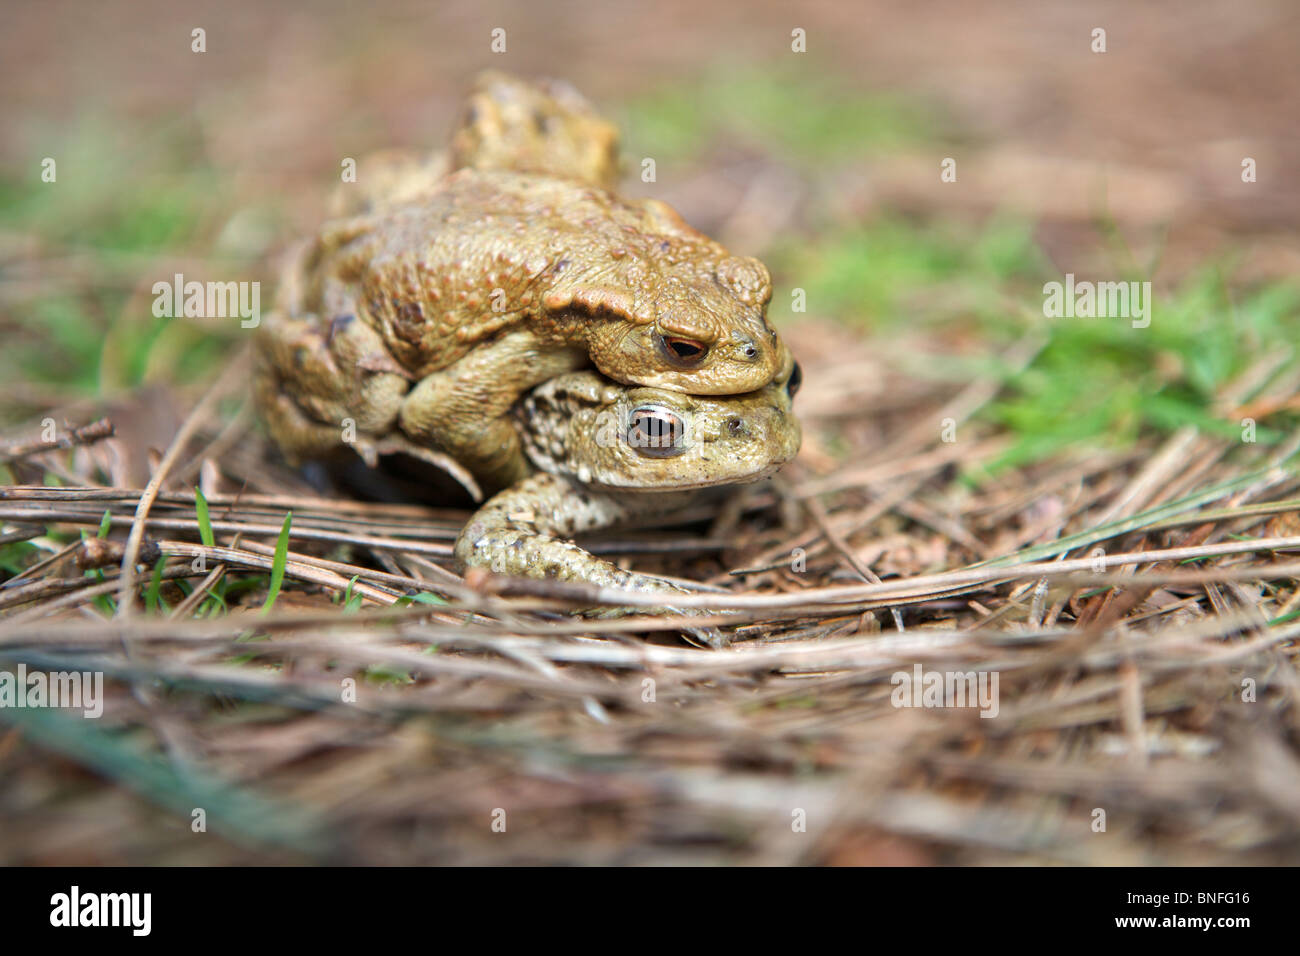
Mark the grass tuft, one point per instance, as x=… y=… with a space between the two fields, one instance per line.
x=278 y=564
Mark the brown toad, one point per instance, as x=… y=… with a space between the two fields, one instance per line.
x=430 y=317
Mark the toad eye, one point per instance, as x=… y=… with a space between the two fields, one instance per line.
x=655 y=432
x=682 y=353
x=796 y=379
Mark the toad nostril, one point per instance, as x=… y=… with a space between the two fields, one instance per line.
x=751 y=351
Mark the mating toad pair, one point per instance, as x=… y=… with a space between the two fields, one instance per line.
x=455 y=309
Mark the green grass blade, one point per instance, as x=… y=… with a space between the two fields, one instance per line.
x=423 y=597
x=153 y=597
x=277 y=565
x=205 y=523
x=351 y=602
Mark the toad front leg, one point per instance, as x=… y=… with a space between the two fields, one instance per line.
x=464 y=409
x=320 y=386
x=523 y=531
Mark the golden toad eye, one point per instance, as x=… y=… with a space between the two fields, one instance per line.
x=681 y=353
x=655 y=432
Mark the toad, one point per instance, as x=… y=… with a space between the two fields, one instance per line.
x=430 y=317
x=537 y=126
x=606 y=454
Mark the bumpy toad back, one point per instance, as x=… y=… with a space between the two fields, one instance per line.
x=651 y=300
x=538 y=126
x=535 y=126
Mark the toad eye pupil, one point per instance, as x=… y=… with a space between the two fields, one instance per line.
x=655 y=433
x=681 y=352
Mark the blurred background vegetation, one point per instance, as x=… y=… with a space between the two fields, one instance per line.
x=1122 y=165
